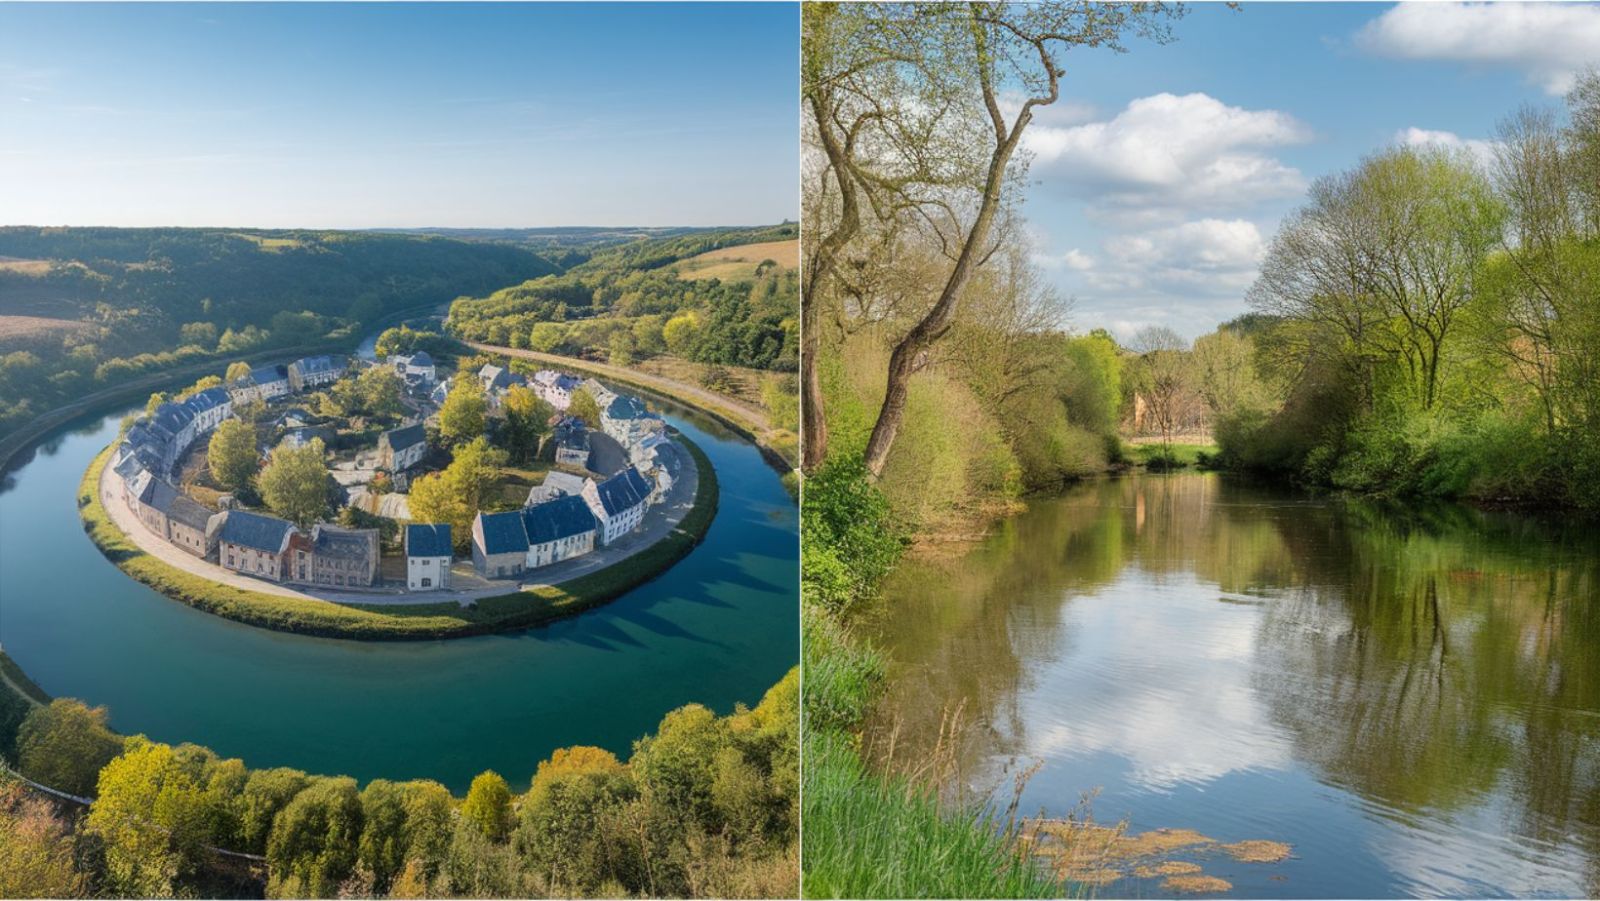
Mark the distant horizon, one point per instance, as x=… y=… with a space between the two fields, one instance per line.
x=416 y=228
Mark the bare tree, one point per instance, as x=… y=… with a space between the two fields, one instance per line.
x=917 y=113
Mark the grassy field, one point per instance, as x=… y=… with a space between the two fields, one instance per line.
x=364 y=622
x=24 y=267
x=740 y=262
x=22 y=329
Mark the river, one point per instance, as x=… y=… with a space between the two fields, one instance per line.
x=719 y=628
x=1410 y=697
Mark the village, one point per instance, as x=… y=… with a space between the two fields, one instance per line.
x=593 y=505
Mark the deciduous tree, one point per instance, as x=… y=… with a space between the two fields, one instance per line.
x=294 y=483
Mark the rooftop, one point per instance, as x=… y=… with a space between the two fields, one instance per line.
x=345 y=544
x=428 y=541
x=252 y=530
x=623 y=491
x=560 y=518
x=503 y=532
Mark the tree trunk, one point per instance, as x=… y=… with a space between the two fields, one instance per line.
x=813 y=424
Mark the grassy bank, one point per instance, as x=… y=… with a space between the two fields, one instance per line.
x=873 y=834
x=1173 y=456
x=509 y=612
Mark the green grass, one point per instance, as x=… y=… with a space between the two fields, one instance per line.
x=1182 y=455
x=869 y=836
x=372 y=622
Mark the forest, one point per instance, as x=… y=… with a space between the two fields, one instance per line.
x=704 y=807
x=1429 y=320
x=627 y=302
x=82 y=309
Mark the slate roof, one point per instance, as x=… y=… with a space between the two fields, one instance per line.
x=429 y=541
x=503 y=533
x=173 y=417
x=265 y=374
x=345 y=544
x=405 y=436
x=315 y=365
x=190 y=512
x=159 y=494
x=623 y=491
x=560 y=518
x=252 y=530
x=625 y=407
x=420 y=358
x=209 y=399
x=494 y=376
x=130 y=465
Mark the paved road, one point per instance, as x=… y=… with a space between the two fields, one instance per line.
x=659 y=521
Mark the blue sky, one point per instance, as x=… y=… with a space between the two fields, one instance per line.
x=1161 y=175
x=398 y=115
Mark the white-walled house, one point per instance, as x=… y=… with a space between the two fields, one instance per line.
x=428 y=556
x=618 y=503
x=558 y=530
x=402 y=448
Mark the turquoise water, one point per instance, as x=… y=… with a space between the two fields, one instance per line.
x=719 y=628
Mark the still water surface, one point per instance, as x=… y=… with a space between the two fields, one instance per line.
x=1411 y=698
x=718 y=628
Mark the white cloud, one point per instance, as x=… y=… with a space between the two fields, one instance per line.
x=1074 y=259
x=1482 y=150
x=1549 y=42
x=1171 y=152
x=1204 y=258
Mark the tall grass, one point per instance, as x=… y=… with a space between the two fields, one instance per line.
x=875 y=836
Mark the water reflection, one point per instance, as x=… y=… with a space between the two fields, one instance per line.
x=1410 y=696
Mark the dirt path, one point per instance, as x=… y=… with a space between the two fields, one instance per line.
x=756 y=416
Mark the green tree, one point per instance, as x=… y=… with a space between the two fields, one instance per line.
x=153 y=819
x=236 y=371
x=294 y=483
x=430 y=827
x=676 y=766
x=201 y=333
x=527 y=421
x=462 y=415
x=382 y=849
x=433 y=499
x=558 y=834
x=488 y=806
x=680 y=333
x=231 y=454
x=65 y=744
x=313 y=845
x=265 y=793
x=583 y=406
x=546 y=337
x=621 y=348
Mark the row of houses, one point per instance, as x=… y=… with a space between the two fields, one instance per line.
x=567 y=517
x=267 y=382
x=160 y=438
x=274 y=549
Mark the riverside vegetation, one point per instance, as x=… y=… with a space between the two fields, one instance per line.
x=1454 y=350
x=939 y=381
x=704 y=807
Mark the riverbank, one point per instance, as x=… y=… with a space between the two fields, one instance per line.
x=512 y=611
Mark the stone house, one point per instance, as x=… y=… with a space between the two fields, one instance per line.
x=572 y=445
x=499 y=544
x=343 y=557
x=627 y=420
x=256 y=545
x=618 y=503
x=192 y=527
x=555 y=387
x=558 y=530
x=209 y=408
x=402 y=448
x=310 y=372
x=419 y=365
x=263 y=383
x=428 y=556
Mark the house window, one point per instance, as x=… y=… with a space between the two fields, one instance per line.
x=427 y=582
